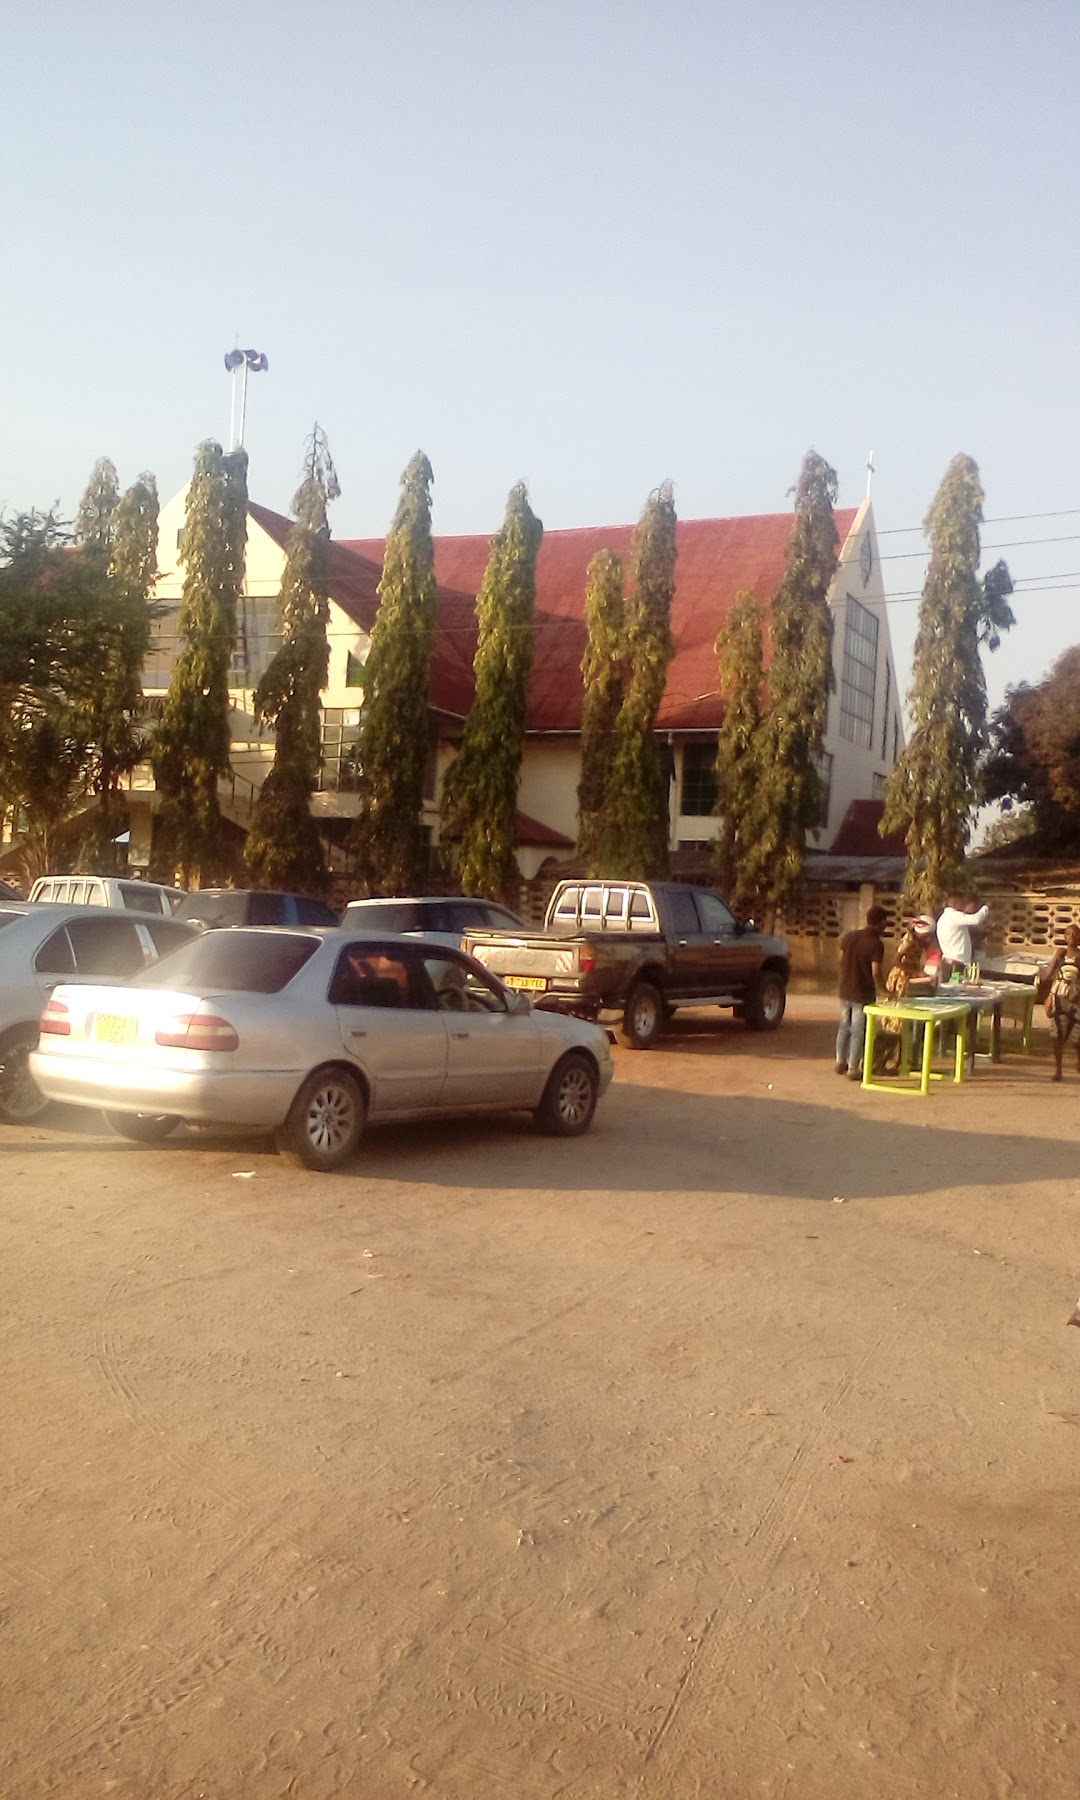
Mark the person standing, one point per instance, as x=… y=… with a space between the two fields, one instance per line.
x=956 y=922
x=861 y=956
x=1063 y=1000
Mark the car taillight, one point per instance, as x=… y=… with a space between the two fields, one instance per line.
x=197 y=1031
x=586 y=961
x=56 y=1020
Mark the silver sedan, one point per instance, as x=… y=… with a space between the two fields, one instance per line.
x=311 y=1034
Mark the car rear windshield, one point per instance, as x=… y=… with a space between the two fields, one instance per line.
x=394 y=915
x=211 y=908
x=234 y=962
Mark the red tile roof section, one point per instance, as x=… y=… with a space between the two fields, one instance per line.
x=859 y=836
x=531 y=831
x=717 y=559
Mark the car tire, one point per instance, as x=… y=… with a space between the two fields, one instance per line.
x=325 y=1122
x=765 y=1002
x=142 y=1128
x=570 y=1097
x=643 y=1020
x=21 y=1100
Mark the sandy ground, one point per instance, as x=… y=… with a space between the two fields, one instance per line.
x=504 y=1467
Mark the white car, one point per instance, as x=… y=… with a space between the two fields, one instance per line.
x=41 y=945
x=311 y=1034
x=106 y=890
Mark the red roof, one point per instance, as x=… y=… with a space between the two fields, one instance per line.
x=859 y=836
x=531 y=831
x=717 y=559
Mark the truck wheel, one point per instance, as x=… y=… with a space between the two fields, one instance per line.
x=643 y=1020
x=764 y=1005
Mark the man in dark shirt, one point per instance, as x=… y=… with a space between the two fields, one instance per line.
x=861 y=956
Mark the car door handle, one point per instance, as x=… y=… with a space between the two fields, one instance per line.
x=461 y=1034
x=682 y=943
x=358 y=1033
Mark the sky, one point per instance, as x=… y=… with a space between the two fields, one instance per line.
x=590 y=244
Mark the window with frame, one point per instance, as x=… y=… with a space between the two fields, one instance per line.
x=699 y=784
x=258 y=638
x=877 y=788
x=340 y=742
x=885 y=716
x=859 y=677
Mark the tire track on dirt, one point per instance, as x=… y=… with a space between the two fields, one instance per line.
x=702 y=1680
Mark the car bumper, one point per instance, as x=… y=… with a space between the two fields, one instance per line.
x=205 y=1096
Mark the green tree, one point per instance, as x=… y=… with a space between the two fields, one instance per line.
x=479 y=801
x=394 y=728
x=934 y=788
x=637 y=802
x=95 y=521
x=53 y=644
x=1034 y=757
x=284 y=848
x=190 y=749
x=789 y=742
x=740 y=652
x=604 y=669
x=114 y=706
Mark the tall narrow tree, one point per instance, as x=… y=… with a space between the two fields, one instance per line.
x=789 y=744
x=480 y=791
x=191 y=744
x=395 y=728
x=604 y=669
x=739 y=649
x=638 y=789
x=95 y=521
x=283 y=847
x=933 y=789
x=114 y=704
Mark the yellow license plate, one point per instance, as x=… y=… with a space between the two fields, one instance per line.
x=113 y=1028
x=532 y=984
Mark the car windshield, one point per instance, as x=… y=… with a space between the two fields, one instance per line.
x=233 y=962
x=389 y=915
x=211 y=907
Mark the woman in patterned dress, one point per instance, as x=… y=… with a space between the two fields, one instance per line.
x=1063 y=1000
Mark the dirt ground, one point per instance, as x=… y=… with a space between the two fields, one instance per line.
x=731 y=1451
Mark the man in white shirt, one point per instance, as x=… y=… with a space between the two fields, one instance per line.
x=956 y=922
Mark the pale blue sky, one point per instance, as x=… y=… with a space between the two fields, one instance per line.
x=591 y=245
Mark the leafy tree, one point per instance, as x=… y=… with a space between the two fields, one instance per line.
x=788 y=745
x=53 y=643
x=284 y=848
x=114 y=705
x=1034 y=757
x=740 y=650
x=95 y=521
x=479 y=801
x=191 y=744
x=637 y=801
x=604 y=669
x=934 y=788
x=394 y=728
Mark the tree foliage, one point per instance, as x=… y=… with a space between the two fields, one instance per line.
x=1034 y=757
x=789 y=742
x=479 y=800
x=934 y=788
x=637 y=795
x=604 y=669
x=191 y=744
x=394 y=728
x=740 y=652
x=123 y=536
x=53 y=643
x=283 y=847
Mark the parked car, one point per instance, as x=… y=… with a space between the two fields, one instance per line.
x=106 y=890
x=41 y=945
x=311 y=1035
x=636 y=951
x=214 y=907
x=440 y=918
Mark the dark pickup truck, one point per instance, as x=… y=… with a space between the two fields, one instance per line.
x=638 y=950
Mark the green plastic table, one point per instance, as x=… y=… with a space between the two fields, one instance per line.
x=932 y=1014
